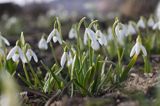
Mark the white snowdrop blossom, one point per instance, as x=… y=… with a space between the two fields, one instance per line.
x=91 y=34
x=131 y=29
x=42 y=44
x=63 y=59
x=16 y=53
x=138 y=47
x=3 y=41
x=156 y=26
x=55 y=35
x=141 y=23
x=30 y=53
x=72 y=33
x=102 y=39
x=69 y=59
x=150 y=22
x=121 y=32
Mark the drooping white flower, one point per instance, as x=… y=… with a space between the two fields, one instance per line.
x=3 y=41
x=72 y=33
x=141 y=23
x=63 y=59
x=156 y=26
x=90 y=34
x=16 y=53
x=30 y=53
x=69 y=59
x=131 y=29
x=42 y=44
x=55 y=35
x=150 y=22
x=138 y=47
x=102 y=39
x=121 y=32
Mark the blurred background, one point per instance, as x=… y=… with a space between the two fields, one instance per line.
x=35 y=17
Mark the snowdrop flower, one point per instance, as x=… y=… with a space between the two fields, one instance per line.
x=72 y=33
x=3 y=41
x=120 y=31
x=69 y=59
x=63 y=59
x=150 y=22
x=16 y=53
x=42 y=44
x=156 y=26
x=141 y=23
x=94 y=43
x=101 y=38
x=138 y=47
x=131 y=29
x=55 y=35
x=30 y=53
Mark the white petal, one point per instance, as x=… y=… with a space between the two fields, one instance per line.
x=95 y=45
x=28 y=55
x=21 y=55
x=15 y=57
x=2 y=52
x=5 y=41
x=69 y=59
x=137 y=48
x=132 y=51
x=155 y=26
x=34 y=56
x=55 y=39
x=144 y=50
x=50 y=36
x=63 y=59
x=91 y=34
x=12 y=52
x=59 y=39
x=85 y=38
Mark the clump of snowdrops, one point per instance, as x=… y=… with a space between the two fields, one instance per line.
x=91 y=62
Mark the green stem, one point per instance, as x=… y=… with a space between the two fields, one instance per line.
x=129 y=66
x=26 y=73
x=52 y=50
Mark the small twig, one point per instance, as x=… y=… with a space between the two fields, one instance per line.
x=35 y=92
x=53 y=98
